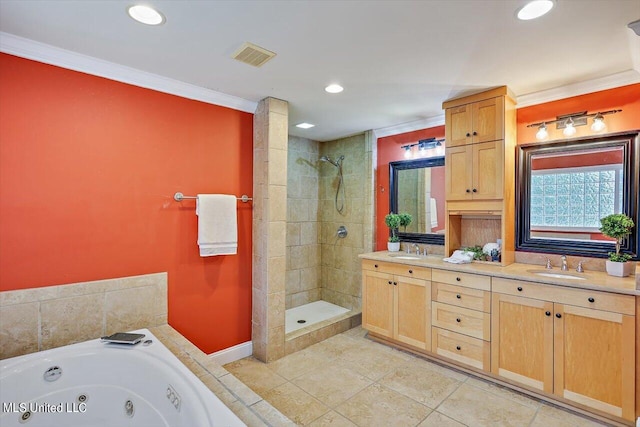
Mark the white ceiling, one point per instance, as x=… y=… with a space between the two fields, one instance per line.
x=398 y=60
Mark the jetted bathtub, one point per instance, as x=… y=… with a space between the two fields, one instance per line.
x=107 y=385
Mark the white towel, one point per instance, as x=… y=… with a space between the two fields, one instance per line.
x=434 y=213
x=460 y=257
x=217 y=224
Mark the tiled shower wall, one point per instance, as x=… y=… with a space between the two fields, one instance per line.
x=303 y=247
x=341 y=271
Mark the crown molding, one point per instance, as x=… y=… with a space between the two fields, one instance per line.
x=603 y=83
x=41 y=52
x=409 y=126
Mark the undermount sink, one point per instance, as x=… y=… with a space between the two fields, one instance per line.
x=406 y=256
x=567 y=276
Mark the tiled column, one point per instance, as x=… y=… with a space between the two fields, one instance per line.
x=270 y=129
x=371 y=159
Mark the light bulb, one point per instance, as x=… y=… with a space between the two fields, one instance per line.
x=534 y=9
x=407 y=152
x=569 y=129
x=598 y=123
x=542 y=132
x=146 y=15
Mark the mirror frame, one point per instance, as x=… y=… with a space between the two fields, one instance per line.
x=628 y=141
x=394 y=168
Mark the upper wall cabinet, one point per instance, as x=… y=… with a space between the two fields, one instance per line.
x=480 y=134
x=476 y=122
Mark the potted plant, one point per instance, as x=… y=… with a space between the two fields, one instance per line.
x=393 y=221
x=617 y=226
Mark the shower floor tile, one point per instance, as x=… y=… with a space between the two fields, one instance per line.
x=311 y=313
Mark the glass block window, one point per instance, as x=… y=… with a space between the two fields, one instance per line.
x=575 y=198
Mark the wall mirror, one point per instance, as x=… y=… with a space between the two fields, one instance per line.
x=565 y=187
x=417 y=188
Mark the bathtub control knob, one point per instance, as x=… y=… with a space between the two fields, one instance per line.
x=52 y=374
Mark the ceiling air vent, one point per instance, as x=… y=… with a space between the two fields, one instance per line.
x=254 y=55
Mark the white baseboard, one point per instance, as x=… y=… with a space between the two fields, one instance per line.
x=232 y=354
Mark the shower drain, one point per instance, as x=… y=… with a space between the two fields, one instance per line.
x=302 y=321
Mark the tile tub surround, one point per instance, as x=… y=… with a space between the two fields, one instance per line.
x=251 y=408
x=42 y=318
x=349 y=380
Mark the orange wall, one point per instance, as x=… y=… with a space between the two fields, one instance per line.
x=626 y=98
x=389 y=151
x=88 y=169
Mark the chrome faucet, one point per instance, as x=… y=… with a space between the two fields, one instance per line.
x=548 y=266
x=564 y=267
x=580 y=268
x=417 y=247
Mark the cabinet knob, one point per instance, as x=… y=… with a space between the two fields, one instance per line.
x=468 y=191
x=468 y=134
x=474 y=190
x=458 y=320
x=395 y=283
x=519 y=288
x=558 y=315
x=458 y=296
x=458 y=279
x=592 y=299
x=375 y=265
x=458 y=348
x=389 y=281
x=547 y=313
x=475 y=133
x=410 y=271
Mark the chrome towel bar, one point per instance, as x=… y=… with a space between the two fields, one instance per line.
x=178 y=197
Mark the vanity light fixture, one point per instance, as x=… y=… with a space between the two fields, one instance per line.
x=542 y=131
x=146 y=15
x=569 y=128
x=334 y=88
x=304 y=125
x=423 y=145
x=534 y=9
x=568 y=123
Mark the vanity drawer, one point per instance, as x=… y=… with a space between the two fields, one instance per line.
x=468 y=280
x=473 y=323
x=397 y=269
x=461 y=348
x=460 y=296
x=617 y=303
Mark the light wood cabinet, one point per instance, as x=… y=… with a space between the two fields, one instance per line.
x=475 y=122
x=396 y=303
x=461 y=317
x=475 y=171
x=557 y=342
x=480 y=133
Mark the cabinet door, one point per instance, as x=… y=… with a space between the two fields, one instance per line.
x=457 y=131
x=413 y=312
x=488 y=164
x=458 y=176
x=488 y=120
x=377 y=303
x=594 y=359
x=522 y=340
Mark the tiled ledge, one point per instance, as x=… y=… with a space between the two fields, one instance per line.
x=312 y=334
x=244 y=402
x=42 y=318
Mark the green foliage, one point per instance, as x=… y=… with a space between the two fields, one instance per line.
x=614 y=257
x=393 y=221
x=405 y=220
x=617 y=226
x=477 y=252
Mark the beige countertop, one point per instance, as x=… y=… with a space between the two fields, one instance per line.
x=593 y=280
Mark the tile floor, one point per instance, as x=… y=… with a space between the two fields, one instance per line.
x=349 y=380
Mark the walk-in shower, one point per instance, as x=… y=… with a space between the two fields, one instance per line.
x=337 y=163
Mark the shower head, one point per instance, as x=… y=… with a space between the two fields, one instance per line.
x=333 y=162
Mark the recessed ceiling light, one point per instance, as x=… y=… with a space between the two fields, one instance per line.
x=534 y=9
x=146 y=15
x=304 y=125
x=334 y=88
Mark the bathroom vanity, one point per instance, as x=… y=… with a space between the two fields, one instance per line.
x=562 y=336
